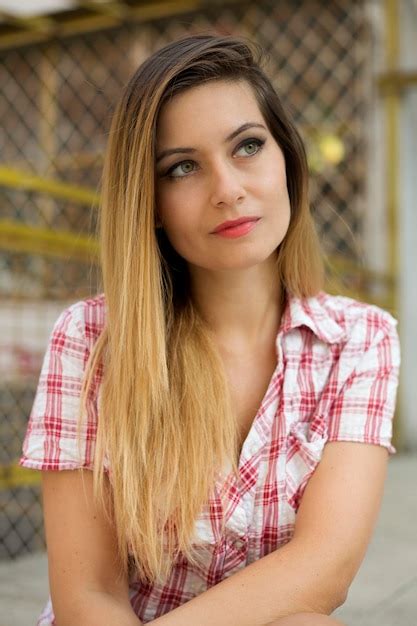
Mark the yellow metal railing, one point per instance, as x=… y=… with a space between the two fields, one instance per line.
x=18 y=237
x=12 y=476
x=97 y=16
x=18 y=179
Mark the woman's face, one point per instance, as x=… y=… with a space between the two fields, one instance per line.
x=216 y=162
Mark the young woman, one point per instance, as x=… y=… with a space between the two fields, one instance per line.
x=236 y=418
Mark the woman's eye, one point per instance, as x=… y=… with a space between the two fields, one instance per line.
x=181 y=169
x=251 y=146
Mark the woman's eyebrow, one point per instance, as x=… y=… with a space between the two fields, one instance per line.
x=232 y=135
x=243 y=128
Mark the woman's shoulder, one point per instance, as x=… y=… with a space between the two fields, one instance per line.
x=338 y=320
x=341 y=306
x=343 y=317
x=50 y=442
x=83 y=320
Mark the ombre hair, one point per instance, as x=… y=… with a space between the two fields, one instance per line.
x=165 y=419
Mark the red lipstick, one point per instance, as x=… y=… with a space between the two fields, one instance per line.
x=236 y=228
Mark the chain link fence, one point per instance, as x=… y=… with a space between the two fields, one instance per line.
x=56 y=103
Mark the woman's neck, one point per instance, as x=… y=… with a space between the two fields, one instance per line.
x=242 y=307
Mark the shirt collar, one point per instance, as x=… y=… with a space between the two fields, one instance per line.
x=311 y=312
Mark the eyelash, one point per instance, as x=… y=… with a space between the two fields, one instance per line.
x=259 y=142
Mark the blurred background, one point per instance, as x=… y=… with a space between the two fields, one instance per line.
x=346 y=70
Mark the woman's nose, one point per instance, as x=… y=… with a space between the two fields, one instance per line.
x=226 y=186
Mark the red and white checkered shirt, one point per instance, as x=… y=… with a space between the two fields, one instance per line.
x=336 y=380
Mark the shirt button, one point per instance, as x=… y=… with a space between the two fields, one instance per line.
x=239 y=543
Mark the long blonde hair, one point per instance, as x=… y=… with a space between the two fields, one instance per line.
x=165 y=419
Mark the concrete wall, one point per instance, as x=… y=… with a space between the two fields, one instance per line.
x=408 y=226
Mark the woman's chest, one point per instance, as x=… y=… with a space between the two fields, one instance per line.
x=248 y=383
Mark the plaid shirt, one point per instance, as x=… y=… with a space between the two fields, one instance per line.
x=336 y=380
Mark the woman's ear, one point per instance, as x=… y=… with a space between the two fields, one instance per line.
x=158 y=223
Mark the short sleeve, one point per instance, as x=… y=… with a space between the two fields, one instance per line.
x=50 y=442
x=363 y=409
x=356 y=404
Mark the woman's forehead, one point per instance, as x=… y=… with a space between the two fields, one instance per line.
x=220 y=105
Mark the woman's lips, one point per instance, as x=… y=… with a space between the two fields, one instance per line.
x=237 y=231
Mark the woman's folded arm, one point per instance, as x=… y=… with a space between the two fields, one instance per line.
x=312 y=573
x=85 y=578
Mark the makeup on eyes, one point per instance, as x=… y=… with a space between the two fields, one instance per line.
x=258 y=141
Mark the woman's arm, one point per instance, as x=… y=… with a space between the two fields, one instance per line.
x=313 y=572
x=100 y=608
x=87 y=587
x=290 y=580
